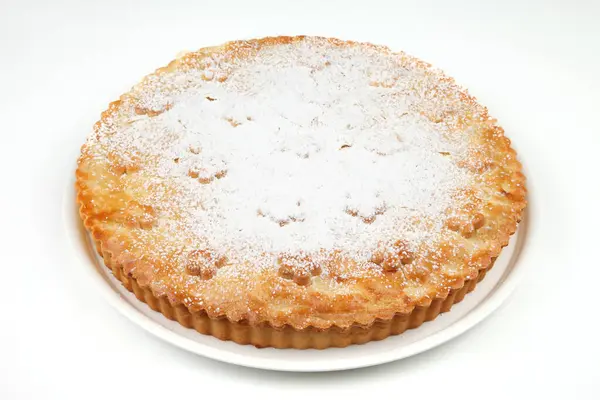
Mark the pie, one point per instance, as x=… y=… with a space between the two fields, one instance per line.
x=299 y=192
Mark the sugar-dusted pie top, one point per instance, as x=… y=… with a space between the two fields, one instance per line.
x=302 y=181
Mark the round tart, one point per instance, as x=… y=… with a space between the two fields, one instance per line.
x=299 y=192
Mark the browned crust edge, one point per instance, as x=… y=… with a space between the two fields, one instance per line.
x=265 y=335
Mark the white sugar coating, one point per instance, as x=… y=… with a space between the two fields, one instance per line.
x=303 y=147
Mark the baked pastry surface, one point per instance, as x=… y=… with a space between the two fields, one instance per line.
x=299 y=191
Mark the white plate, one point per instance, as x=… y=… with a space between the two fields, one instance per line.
x=489 y=294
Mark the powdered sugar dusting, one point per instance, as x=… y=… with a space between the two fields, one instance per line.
x=302 y=148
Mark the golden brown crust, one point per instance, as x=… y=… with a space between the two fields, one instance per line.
x=476 y=231
x=285 y=337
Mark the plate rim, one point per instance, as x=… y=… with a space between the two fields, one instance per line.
x=73 y=229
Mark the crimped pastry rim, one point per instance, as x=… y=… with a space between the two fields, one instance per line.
x=96 y=237
x=334 y=339
x=287 y=337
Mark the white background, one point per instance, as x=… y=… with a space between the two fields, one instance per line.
x=535 y=64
